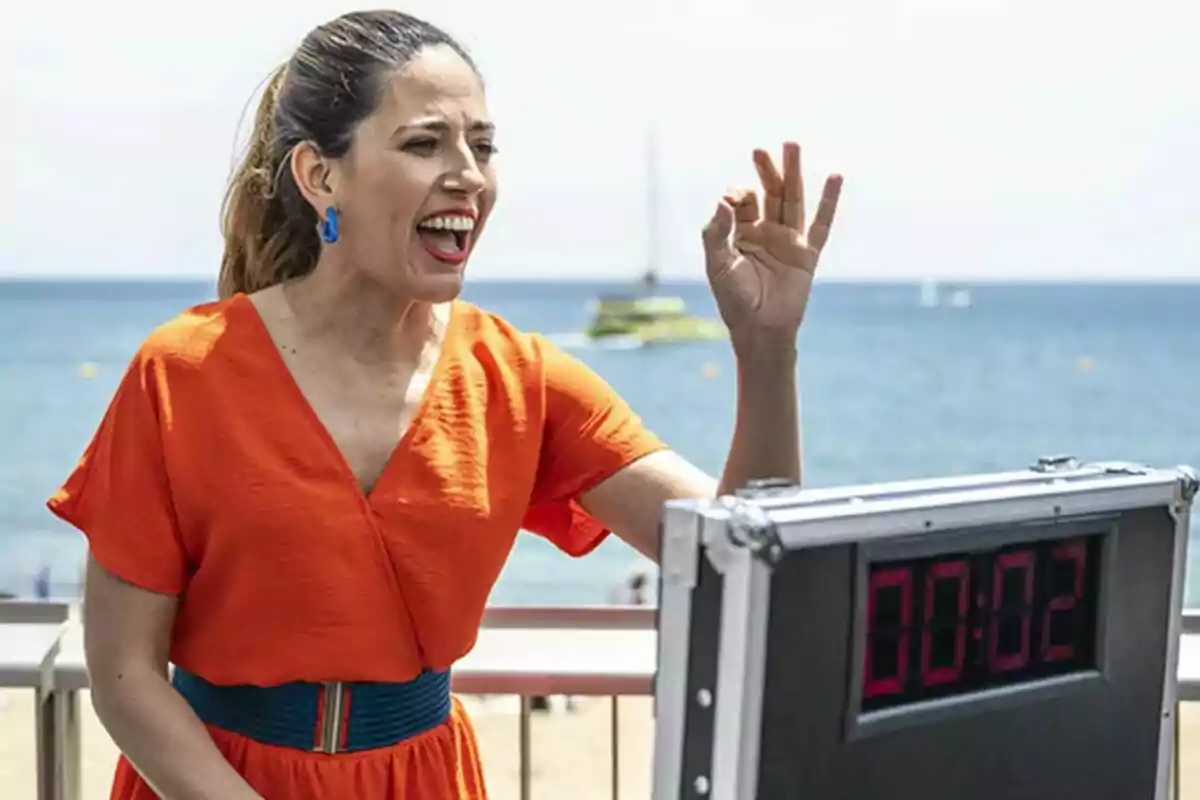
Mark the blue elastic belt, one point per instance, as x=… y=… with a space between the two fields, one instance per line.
x=325 y=717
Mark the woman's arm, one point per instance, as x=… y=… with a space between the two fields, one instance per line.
x=760 y=265
x=127 y=632
x=766 y=444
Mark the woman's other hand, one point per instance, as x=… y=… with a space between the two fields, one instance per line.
x=761 y=261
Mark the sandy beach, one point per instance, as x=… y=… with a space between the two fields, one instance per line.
x=571 y=750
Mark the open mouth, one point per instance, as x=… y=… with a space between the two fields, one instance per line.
x=447 y=236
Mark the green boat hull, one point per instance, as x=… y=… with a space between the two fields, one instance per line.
x=651 y=320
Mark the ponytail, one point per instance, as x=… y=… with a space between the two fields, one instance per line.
x=270 y=231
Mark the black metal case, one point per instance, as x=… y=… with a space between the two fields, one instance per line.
x=1011 y=635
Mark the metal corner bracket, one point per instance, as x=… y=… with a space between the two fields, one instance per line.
x=1189 y=483
x=749 y=526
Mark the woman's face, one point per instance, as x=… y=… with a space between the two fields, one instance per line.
x=417 y=184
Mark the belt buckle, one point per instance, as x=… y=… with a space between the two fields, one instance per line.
x=332 y=702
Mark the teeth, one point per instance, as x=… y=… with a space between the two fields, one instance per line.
x=446 y=223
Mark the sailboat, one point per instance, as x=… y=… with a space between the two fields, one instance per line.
x=645 y=315
x=931 y=295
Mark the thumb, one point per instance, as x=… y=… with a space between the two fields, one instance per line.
x=716 y=232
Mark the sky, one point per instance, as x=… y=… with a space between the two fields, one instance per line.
x=979 y=139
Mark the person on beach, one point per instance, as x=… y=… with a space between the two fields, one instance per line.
x=636 y=589
x=302 y=492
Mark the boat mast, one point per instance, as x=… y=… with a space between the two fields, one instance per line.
x=653 y=209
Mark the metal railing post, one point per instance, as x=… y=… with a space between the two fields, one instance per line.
x=526 y=773
x=48 y=759
x=616 y=748
x=70 y=749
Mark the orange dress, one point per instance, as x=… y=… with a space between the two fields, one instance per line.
x=211 y=477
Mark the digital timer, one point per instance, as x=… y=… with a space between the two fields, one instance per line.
x=969 y=620
x=1011 y=635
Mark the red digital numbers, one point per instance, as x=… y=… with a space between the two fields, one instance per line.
x=955 y=576
x=1061 y=607
x=1012 y=606
x=889 y=611
x=971 y=620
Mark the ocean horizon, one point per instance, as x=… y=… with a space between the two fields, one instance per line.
x=990 y=377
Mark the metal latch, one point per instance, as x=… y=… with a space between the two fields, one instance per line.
x=751 y=527
x=1060 y=463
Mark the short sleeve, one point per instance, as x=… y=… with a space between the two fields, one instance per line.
x=590 y=434
x=118 y=495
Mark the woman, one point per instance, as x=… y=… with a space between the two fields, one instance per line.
x=302 y=493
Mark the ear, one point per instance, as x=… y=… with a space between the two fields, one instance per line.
x=315 y=176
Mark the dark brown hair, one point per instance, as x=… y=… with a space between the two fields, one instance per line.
x=330 y=84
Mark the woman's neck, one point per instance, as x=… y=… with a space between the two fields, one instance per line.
x=359 y=318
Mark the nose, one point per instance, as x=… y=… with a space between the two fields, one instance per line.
x=464 y=176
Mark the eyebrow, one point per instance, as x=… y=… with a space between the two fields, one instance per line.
x=442 y=127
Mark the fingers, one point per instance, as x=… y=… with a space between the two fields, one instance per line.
x=772 y=185
x=746 y=217
x=737 y=213
x=793 y=188
x=745 y=206
x=716 y=232
x=783 y=206
x=784 y=194
x=818 y=235
x=718 y=251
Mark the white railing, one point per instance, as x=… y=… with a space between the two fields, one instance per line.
x=622 y=663
x=525 y=651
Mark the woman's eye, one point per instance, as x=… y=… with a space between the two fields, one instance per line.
x=482 y=150
x=421 y=145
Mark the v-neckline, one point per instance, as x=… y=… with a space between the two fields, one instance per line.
x=318 y=426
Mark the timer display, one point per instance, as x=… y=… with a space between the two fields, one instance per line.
x=963 y=622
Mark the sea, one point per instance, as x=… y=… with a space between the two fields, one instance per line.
x=898 y=380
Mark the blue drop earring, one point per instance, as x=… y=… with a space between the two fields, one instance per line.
x=329 y=226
